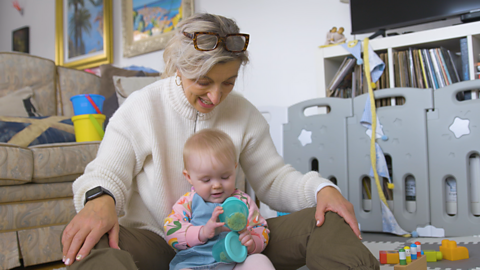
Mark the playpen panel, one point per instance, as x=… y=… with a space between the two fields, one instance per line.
x=405 y=146
x=453 y=137
x=317 y=142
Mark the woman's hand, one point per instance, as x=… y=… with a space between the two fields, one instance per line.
x=88 y=226
x=212 y=227
x=247 y=240
x=330 y=199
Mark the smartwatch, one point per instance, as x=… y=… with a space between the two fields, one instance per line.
x=97 y=192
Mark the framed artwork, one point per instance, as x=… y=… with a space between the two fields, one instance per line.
x=147 y=25
x=83 y=34
x=21 y=40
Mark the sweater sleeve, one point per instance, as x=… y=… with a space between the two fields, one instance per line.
x=275 y=183
x=257 y=225
x=179 y=232
x=119 y=159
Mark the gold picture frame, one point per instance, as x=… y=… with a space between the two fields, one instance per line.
x=85 y=42
x=152 y=43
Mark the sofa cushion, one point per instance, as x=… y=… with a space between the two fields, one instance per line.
x=34 y=214
x=124 y=86
x=75 y=82
x=34 y=192
x=16 y=164
x=10 y=257
x=19 y=103
x=41 y=245
x=61 y=162
x=18 y=70
x=29 y=131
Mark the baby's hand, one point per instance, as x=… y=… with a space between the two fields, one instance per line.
x=247 y=240
x=212 y=227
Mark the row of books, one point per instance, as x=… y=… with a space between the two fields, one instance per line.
x=415 y=67
x=342 y=82
x=425 y=68
x=350 y=81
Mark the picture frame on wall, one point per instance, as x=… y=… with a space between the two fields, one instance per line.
x=83 y=34
x=147 y=25
x=21 y=40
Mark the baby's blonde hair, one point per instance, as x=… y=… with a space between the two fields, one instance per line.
x=212 y=142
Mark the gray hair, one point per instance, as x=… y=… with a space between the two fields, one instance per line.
x=181 y=55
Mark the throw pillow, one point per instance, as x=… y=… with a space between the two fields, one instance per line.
x=107 y=72
x=124 y=86
x=19 y=103
x=28 y=131
x=142 y=68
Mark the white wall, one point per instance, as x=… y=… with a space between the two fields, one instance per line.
x=284 y=37
x=39 y=16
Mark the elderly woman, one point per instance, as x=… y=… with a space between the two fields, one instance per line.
x=130 y=187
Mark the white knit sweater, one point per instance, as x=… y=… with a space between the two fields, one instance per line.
x=140 y=158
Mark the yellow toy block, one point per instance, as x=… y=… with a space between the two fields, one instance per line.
x=389 y=257
x=419 y=264
x=433 y=255
x=452 y=252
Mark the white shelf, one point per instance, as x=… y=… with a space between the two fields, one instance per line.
x=330 y=58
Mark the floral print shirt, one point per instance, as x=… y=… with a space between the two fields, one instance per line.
x=181 y=234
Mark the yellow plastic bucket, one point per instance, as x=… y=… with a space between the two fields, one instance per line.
x=86 y=130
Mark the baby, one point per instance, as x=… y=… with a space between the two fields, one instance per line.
x=193 y=227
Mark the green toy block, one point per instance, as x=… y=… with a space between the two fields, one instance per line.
x=433 y=256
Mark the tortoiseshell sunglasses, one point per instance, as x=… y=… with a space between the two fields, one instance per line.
x=208 y=41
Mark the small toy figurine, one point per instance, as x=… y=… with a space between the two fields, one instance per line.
x=402 y=256
x=334 y=37
x=338 y=37
x=330 y=34
x=419 y=248
x=408 y=254
x=413 y=251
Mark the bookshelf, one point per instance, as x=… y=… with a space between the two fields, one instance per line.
x=329 y=59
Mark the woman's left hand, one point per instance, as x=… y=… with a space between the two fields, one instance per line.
x=330 y=199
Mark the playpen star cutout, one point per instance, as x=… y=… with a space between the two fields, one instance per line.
x=305 y=137
x=460 y=127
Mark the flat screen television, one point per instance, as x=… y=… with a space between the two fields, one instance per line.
x=369 y=16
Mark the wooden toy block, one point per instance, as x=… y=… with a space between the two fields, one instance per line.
x=433 y=255
x=389 y=257
x=418 y=264
x=452 y=252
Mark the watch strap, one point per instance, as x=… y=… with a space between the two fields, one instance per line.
x=97 y=192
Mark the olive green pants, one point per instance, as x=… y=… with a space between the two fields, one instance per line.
x=295 y=241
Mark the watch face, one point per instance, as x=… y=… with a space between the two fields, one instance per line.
x=93 y=192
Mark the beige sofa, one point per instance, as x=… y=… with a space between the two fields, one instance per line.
x=35 y=182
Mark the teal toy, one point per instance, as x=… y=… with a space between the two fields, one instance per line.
x=235 y=214
x=229 y=249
